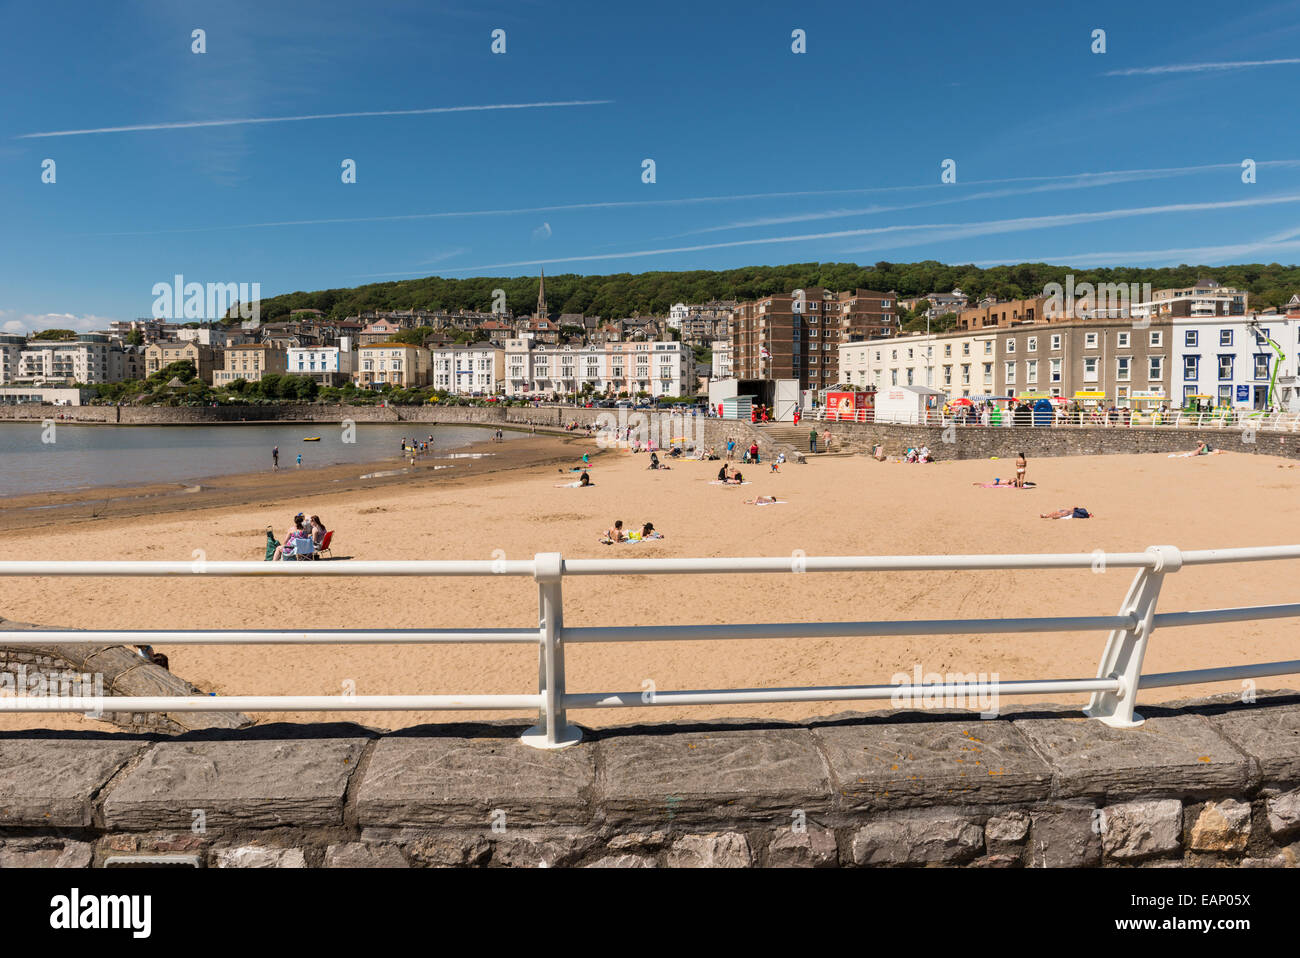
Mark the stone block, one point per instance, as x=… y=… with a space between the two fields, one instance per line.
x=49 y=782
x=712 y=850
x=1173 y=754
x=1134 y=831
x=259 y=856
x=1064 y=836
x=918 y=840
x=464 y=779
x=1222 y=827
x=711 y=775
x=250 y=782
x=361 y=855
x=812 y=847
x=881 y=764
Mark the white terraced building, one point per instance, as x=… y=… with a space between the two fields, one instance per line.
x=473 y=370
x=654 y=368
x=328 y=365
x=1224 y=359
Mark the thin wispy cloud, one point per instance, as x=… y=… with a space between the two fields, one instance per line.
x=1020 y=224
x=246 y=121
x=1202 y=67
x=1065 y=181
x=1278 y=242
x=941 y=232
x=1073 y=181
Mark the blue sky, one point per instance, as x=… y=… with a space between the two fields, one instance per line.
x=762 y=155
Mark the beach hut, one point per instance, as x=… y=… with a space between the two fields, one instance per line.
x=906 y=404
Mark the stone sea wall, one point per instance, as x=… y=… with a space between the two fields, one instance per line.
x=959 y=442
x=1210 y=782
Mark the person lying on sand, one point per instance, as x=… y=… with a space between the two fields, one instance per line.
x=999 y=483
x=614 y=534
x=763 y=501
x=648 y=532
x=1072 y=512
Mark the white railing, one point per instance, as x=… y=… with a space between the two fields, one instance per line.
x=1089 y=419
x=1113 y=690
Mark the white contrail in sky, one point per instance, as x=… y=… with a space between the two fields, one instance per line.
x=1054 y=181
x=1285 y=240
x=191 y=124
x=951 y=231
x=1200 y=67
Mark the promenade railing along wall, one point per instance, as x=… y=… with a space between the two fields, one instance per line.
x=1114 y=688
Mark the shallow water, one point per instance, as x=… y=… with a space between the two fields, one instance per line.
x=81 y=456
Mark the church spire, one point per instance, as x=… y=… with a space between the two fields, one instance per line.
x=541 y=297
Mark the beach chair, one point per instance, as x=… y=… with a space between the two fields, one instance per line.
x=325 y=544
x=303 y=547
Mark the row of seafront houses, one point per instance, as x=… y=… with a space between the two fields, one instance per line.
x=1195 y=346
x=1198 y=344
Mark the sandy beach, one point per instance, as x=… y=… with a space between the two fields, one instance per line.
x=837 y=505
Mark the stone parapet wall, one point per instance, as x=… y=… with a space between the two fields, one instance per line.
x=1210 y=782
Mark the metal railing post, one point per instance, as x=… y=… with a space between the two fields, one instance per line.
x=1127 y=647
x=552 y=729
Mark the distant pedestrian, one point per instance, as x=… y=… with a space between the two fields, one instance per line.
x=812 y=440
x=275 y=458
x=299 y=460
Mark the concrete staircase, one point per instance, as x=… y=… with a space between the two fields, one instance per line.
x=788 y=434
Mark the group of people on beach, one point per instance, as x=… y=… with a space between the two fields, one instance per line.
x=303 y=540
x=615 y=533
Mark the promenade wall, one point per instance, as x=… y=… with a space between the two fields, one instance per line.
x=1206 y=783
x=955 y=442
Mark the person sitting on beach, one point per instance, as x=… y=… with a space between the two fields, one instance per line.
x=648 y=532
x=299 y=529
x=736 y=478
x=317 y=534
x=923 y=454
x=910 y=455
x=614 y=533
x=584 y=479
x=1073 y=512
x=722 y=473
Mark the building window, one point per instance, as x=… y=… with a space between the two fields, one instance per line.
x=1190 y=364
x=988 y=347
x=947 y=375
x=1011 y=346
x=947 y=349
x=1032 y=345
x=1121 y=340
x=1122 y=366
x=1011 y=373
x=1225 y=337
x=1261 y=366
x=1156 y=340
x=893 y=377
x=1155 y=367
x=1225 y=395
x=1225 y=365
x=1089 y=340
x=1090 y=369
x=1031 y=371
x=1056 y=371
x=1190 y=337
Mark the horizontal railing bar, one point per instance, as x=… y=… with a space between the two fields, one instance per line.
x=1167 y=620
x=640 y=699
x=358 y=567
x=527 y=567
x=268 y=703
x=1248 y=554
x=817 y=630
x=273 y=637
x=1228 y=673
x=1134 y=560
